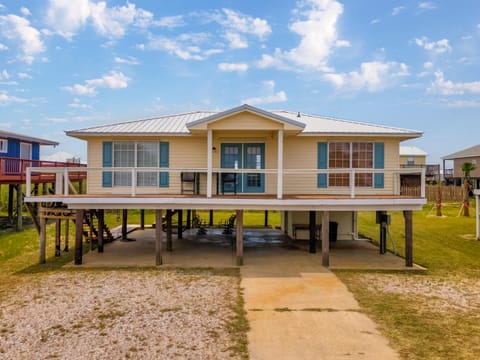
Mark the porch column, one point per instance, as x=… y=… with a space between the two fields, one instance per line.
x=280 y=165
x=58 y=236
x=239 y=238
x=158 y=237
x=101 y=229
x=209 y=162
x=408 y=238
x=142 y=219
x=43 y=238
x=19 y=208
x=180 y=224
x=78 y=237
x=313 y=232
x=326 y=238
x=169 y=230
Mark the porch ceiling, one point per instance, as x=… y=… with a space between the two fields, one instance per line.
x=239 y=202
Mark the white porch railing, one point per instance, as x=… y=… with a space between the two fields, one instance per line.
x=63 y=184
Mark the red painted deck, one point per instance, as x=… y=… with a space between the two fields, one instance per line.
x=13 y=171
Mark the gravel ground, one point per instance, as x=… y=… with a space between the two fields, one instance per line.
x=440 y=294
x=119 y=315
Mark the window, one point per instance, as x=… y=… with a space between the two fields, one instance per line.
x=3 y=145
x=410 y=161
x=141 y=155
x=347 y=156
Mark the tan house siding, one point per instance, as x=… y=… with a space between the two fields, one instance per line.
x=418 y=160
x=457 y=163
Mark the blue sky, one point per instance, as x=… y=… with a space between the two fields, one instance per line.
x=67 y=64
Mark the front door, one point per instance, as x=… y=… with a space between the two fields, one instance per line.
x=244 y=156
x=254 y=158
x=25 y=151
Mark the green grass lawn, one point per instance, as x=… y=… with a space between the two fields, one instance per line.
x=435 y=315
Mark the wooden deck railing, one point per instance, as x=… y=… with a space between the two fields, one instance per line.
x=15 y=170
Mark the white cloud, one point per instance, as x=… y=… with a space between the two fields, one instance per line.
x=374 y=21
x=240 y=67
x=316 y=24
x=170 y=22
x=448 y=87
x=57 y=120
x=23 y=75
x=398 y=10
x=130 y=60
x=3 y=47
x=463 y=103
x=427 y=5
x=6 y=99
x=438 y=47
x=25 y=11
x=270 y=97
x=245 y=24
x=4 y=75
x=66 y=17
x=280 y=96
x=428 y=65
x=18 y=29
x=373 y=76
x=235 y=40
x=113 y=80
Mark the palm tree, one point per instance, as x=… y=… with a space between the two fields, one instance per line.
x=467 y=168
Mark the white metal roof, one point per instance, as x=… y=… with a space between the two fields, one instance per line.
x=178 y=125
x=7 y=134
x=411 y=151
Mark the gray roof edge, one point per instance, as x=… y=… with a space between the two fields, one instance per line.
x=246 y=107
x=462 y=153
x=28 y=138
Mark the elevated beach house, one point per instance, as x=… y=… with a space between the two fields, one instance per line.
x=314 y=170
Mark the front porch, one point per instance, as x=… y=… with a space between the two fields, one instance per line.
x=262 y=246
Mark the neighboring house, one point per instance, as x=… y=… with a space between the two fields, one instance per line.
x=19 y=146
x=412 y=156
x=315 y=170
x=455 y=175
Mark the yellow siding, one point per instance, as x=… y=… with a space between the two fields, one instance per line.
x=418 y=160
x=245 y=121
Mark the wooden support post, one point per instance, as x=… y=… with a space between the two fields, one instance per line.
x=169 y=231
x=58 y=236
x=180 y=224
x=43 y=239
x=313 y=232
x=101 y=229
x=189 y=219
x=80 y=186
x=408 y=238
x=158 y=237
x=266 y=219
x=326 y=238
x=239 y=239
x=44 y=188
x=78 y=237
x=210 y=220
x=67 y=235
x=142 y=219
x=90 y=229
x=10 y=203
x=19 y=208
x=125 y=226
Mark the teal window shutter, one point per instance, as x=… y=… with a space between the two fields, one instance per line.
x=164 y=163
x=379 y=153
x=322 y=153
x=107 y=161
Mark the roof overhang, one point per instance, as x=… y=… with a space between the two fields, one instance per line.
x=8 y=134
x=202 y=124
x=140 y=202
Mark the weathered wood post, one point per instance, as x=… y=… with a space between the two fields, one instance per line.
x=408 y=238
x=43 y=238
x=142 y=219
x=101 y=229
x=312 y=249
x=78 y=237
x=158 y=237
x=239 y=238
x=67 y=234
x=58 y=235
x=169 y=230
x=19 y=207
x=210 y=219
x=326 y=238
x=265 y=222
x=180 y=224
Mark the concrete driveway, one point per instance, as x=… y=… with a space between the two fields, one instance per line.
x=300 y=310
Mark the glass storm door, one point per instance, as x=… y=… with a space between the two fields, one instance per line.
x=232 y=159
x=254 y=158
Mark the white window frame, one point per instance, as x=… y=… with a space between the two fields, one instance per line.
x=3 y=146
